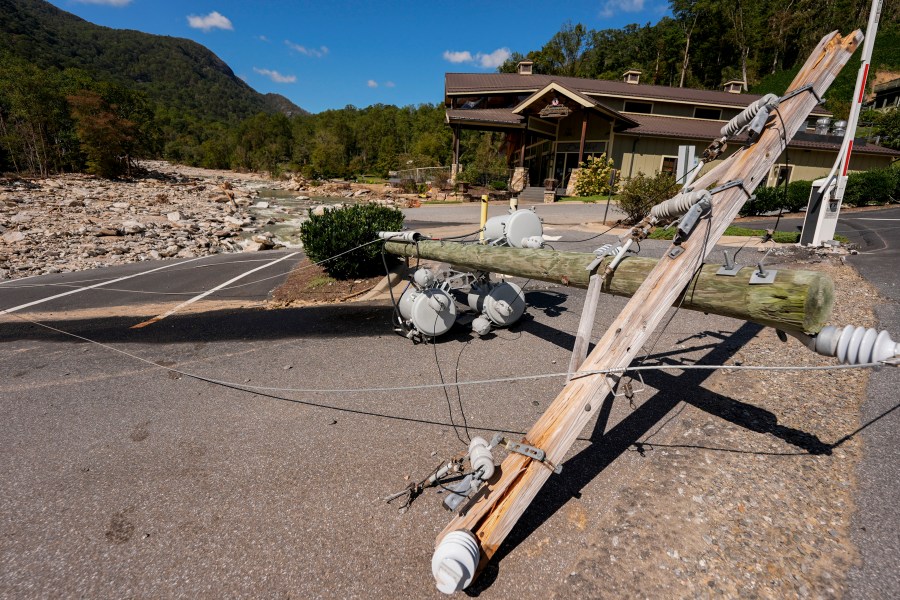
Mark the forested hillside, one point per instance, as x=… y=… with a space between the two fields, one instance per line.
x=75 y=96
x=178 y=73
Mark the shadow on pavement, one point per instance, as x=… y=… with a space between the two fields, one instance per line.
x=607 y=446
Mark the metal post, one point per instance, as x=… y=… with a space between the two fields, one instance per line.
x=825 y=200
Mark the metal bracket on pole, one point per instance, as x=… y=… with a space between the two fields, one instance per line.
x=730 y=268
x=761 y=276
x=525 y=450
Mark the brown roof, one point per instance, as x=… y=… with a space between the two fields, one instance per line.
x=694 y=129
x=671 y=127
x=464 y=83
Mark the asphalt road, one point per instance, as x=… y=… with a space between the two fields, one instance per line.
x=121 y=478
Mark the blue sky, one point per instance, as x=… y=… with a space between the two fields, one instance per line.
x=331 y=53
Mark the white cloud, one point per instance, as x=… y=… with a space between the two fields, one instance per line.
x=372 y=83
x=494 y=59
x=612 y=7
x=262 y=38
x=491 y=60
x=457 y=57
x=389 y=84
x=314 y=52
x=213 y=20
x=276 y=76
x=106 y=2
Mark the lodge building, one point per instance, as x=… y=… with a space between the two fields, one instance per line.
x=551 y=124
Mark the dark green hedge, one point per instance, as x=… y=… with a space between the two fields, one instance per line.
x=342 y=229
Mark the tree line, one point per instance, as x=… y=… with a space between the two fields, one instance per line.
x=705 y=43
x=64 y=120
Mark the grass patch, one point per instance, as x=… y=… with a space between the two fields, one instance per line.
x=781 y=237
x=319 y=281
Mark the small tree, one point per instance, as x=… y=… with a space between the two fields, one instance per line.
x=593 y=179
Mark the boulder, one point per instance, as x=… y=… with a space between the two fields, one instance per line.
x=174 y=216
x=11 y=237
x=130 y=227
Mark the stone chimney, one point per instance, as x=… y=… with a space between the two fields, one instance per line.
x=524 y=67
x=632 y=76
x=735 y=86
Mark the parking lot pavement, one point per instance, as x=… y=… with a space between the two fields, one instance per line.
x=193 y=457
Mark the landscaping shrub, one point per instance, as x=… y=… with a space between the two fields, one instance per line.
x=340 y=229
x=594 y=176
x=642 y=192
x=771 y=199
x=499 y=185
x=797 y=195
x=872 y=187
x=767 y=199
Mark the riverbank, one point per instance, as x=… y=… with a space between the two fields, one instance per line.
x=74 y=222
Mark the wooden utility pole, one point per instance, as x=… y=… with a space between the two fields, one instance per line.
x=797 y=301
x=497 y=507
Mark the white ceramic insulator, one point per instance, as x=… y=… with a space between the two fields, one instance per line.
x=401 y=236
x=454 y=561
x=481 y=326
x=423 y=278
x=680 y=204
x=481 y=458
x=743 y=119
x=534 y=241
x=856 y=345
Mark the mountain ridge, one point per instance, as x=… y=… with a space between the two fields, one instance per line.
x=175 y=72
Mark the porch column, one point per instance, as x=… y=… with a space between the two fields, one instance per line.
x=454 y=168
x=583 y=135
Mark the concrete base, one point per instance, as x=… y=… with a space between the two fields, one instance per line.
x=454 y=173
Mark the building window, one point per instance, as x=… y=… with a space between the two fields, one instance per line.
x=669 y=165
x=780 y=175
x=713 y=114
x=638 y=107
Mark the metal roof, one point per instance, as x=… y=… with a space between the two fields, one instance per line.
x=671 y=127
x=479 y=83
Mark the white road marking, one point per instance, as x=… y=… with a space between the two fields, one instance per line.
x=90 y=287
x=869 y=219
x=210 y=291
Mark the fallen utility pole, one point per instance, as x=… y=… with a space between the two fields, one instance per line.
x=795 y=301
x=484 y=522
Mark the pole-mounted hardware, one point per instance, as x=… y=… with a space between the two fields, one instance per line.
x=730 y=268
x=526 y=450
x=761 y=275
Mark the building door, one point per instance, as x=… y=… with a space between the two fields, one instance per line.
x=567 y=158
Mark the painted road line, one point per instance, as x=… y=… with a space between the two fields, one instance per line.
x=208 y=292
x=96 y=285
x=869 y=219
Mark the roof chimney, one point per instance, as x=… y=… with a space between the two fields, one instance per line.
x=632 y=76
x=735 y=86
x=524 y=67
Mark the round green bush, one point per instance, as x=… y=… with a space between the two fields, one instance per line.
x=341 y=229
x=871 y=187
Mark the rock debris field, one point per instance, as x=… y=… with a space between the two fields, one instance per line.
x=75 y=222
